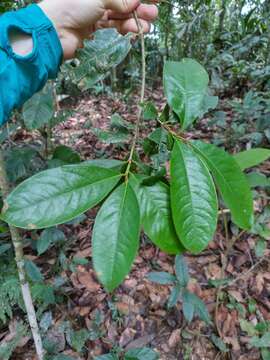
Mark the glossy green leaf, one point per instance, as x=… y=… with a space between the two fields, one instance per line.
x=161 y=277
x=39 y=110
x=156 y=217
x=193 y=198
x=253 y=157
x=185 y=85
x=58 y=195
x=231 y=182
x=115 y=238
x=181 y=270
x=141 y=354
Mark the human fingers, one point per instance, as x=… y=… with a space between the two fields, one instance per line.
x=144 y=11
x=125 y=26
x=122 y=6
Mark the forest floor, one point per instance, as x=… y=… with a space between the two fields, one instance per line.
x=136 y=314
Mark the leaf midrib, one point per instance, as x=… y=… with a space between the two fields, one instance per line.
x=186 y=175
x=118 y=230
x=66 y=192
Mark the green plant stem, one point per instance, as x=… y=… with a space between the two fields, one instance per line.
x=140 y=109
x=19 y=258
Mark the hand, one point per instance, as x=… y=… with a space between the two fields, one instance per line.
x=75 y=20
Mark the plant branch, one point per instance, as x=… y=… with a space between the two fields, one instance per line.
x=19 y=258
x=142 y=96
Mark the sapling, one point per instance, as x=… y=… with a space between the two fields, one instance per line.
x=173 y=198
x=19 y=257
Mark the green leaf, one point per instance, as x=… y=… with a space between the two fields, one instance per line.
x=107 y=357
x=79 y=338
x=43 y=294
x=174 y=296
x=48 y=237
x=219 y=343
x=253 y=157
x=111 y=137
x=33 y=271
x=248 y=327
x=39 y=110
x=58 y=195
x=185 y=85
x=265 y=354
x=99 y=56
x=7 y=130
x=4 y=248
x=141 y=354
x=231 y=182
x=63 y=357
x=106 y=163
x=181 y=270
x=193 y=198
x=150 y=112
x=218 y=282
x=188 y=308
x=261 y=342
x=21 y=162
x=209 y=103
x=260 y=247
x=46 y=321
x=66 y=154
x=162 y=277
x=115 y=238
x=199 y=306
x=257 y=179
x=117 y=122
x=156 y=217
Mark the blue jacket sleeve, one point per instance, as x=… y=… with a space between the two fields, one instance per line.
x=22 y=76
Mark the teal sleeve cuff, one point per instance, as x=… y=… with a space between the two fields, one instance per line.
x=22 y=76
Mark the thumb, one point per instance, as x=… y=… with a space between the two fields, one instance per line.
x=122 y=6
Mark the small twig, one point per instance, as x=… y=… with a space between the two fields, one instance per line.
x=224 y=261
x=245 y=273
x=224 y=264
x=140 y=109
x=19 y=257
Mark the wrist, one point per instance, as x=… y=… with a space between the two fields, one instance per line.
x=53 y=13
x=21 y=43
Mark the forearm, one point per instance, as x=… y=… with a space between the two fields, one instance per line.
x=30 y=54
